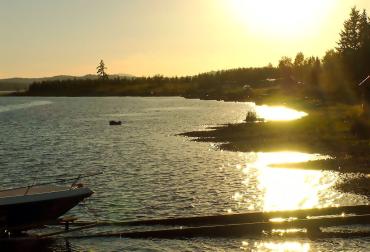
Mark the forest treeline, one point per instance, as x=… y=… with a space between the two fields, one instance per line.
x=232 y=84
x=333 y=77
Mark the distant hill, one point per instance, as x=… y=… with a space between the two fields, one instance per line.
x=18 y=84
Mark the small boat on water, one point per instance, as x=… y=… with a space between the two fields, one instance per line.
x=115 y=122
x=33 y=206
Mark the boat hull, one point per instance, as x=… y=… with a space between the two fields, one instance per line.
x=30 y=211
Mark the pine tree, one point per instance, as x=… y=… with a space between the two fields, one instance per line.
x=354 y=43
x=299 y=59
x=364 y=30
x=299 y=66
x=349 y=37
x=364 y=52
x=101 y=70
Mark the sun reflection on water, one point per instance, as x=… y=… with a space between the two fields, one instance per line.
x=277 y=246
x=282 y=188
x=292 y=189
x=279 y=113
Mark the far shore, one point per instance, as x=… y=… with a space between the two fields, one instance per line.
x=7 y=93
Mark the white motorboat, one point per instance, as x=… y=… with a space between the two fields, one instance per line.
x=33 y=206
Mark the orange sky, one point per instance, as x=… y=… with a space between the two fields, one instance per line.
x=169 y=37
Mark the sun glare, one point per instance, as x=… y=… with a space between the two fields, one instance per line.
x=281 y=19
x=299 y=187
x=287 y=188
x=279 y=113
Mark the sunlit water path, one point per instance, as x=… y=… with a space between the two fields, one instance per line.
x=149 y=172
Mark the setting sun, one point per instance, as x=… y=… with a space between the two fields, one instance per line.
x=284 y=19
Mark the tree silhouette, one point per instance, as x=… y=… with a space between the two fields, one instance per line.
x=285 y=67
x=299 y=59
x=364 y=51
x=101 y=70
x=364 y=30
x=354 y=44
x=350 y=35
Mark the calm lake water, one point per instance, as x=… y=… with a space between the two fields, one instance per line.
x=150 y=172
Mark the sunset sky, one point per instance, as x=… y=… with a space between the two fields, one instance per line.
x=169 y=37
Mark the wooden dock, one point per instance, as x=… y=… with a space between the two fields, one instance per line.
x=235 y=225
x=252 y=223
x=249 y=217
x=225 y=219
x=235 y=230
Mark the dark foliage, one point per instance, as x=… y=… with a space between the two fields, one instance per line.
x=360 y=127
